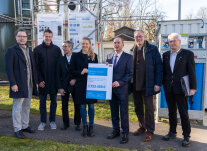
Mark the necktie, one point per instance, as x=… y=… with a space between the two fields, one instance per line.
x=115 y=60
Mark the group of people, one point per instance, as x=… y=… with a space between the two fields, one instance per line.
x=45 y=71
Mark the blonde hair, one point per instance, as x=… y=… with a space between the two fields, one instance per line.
x=90 y=52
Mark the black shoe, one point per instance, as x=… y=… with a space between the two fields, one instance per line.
x=124 y=139
x=19 y=134
x=77 y=128
x=169 y=136
x=64 y=127
x=113 y=135
x=28 y=130
x=186 y=142
x=90 y=132
x=85 y=130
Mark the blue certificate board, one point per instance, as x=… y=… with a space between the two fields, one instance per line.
x=99 y=81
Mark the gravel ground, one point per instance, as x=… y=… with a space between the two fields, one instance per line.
x=102 y=129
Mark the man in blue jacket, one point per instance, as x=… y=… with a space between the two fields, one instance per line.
x=147 y=80
x=21 y=72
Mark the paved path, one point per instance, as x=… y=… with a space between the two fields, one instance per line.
x=102 y=128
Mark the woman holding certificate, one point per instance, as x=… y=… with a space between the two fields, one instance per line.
x=79 y=70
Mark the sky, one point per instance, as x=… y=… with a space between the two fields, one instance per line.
x=187 y=6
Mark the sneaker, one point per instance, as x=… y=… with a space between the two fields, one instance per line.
x=53 y=125
x=41 y=127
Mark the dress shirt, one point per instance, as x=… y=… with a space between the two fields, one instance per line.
x=173 y=56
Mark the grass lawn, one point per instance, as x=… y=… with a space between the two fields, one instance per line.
x=14 y=144
x=102 y=109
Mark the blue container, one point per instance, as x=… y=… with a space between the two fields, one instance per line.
x=163 y=103
x=197 y=98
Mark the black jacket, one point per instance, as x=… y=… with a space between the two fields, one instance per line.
x=79 y=61
x=184 y=65
x=63 y=75
x=46 y=61
x=16 y=69
x=153 y=68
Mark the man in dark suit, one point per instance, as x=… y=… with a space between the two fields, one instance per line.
x=65 y=85
x=46 y=56
x=21 y=72
x=177 y=63
x=122 y=74
x=147 y=80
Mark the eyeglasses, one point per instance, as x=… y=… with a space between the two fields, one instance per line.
x=22 y=36
x=64 y=46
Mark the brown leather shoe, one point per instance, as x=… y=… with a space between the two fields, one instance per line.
x=147 y=138
x=139 y=132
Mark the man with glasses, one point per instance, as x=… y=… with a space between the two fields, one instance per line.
x=46 y=56
x=21 y=72
x=178 y=63
x=147 y=80
x=65 y=85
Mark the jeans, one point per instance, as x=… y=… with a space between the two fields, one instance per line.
x=53 y=106
x=91 y=113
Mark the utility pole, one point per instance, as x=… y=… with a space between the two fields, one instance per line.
x=179 y=10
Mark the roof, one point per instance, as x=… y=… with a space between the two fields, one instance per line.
x=124 y=27
x=124 y=37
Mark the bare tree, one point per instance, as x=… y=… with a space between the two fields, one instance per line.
x=202 y=12
x=135 y=14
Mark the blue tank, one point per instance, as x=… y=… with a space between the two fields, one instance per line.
x=197 y=98
x=7 y=7
x=7 y=30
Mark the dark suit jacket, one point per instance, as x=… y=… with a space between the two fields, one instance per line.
x=79 y=61
x=46 y=61
x=122 y=73
x=184 y=65
x=63 y=75
x=16 y=69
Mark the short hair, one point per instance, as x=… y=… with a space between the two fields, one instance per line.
x=119 y=38
x=47 y=31
x=136 y=31
x=178 y=36
x=70 y=43
x=20 y=30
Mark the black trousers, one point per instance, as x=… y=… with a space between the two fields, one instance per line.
x=120 y=104
x=179 y=101
x=145 y=111
x=77 y=116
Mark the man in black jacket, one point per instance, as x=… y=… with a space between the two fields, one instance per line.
x=147 y=80
x=177 y=63
x=46 y=56
x=21 y=72
x=65 y=85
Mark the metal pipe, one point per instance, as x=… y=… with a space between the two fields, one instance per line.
x=127 y=19
x=59 y=4
x=101 y=36
x=32 y=15
x=179 y=10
